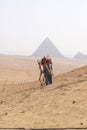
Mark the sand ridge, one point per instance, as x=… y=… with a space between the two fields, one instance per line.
x=62 y=104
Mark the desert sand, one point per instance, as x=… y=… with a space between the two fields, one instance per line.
x=24 y=104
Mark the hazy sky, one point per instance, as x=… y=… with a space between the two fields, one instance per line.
x=25 y=23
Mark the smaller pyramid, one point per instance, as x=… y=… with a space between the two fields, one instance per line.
x=80 y=56
x=47 y=48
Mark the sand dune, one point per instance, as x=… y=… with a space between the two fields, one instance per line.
x=62 y=104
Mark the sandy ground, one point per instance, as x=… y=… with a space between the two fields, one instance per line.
x=24 y=104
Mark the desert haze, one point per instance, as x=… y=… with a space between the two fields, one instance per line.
x=24 y=104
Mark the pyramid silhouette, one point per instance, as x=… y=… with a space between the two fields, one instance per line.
x=47 y=48
x=80 y=56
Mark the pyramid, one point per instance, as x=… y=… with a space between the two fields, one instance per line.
x=80 y=56
x=47 y=48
